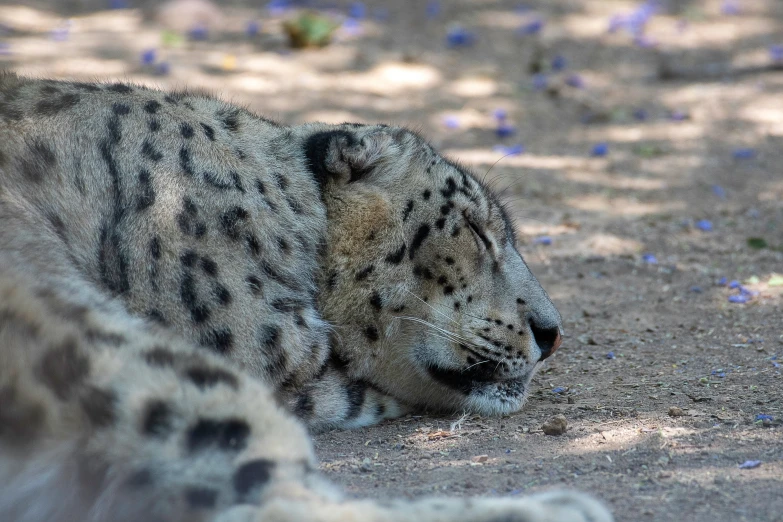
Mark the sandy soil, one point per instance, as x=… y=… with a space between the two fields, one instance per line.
x=667 y=386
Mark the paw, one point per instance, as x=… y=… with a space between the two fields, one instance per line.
x=571 y=506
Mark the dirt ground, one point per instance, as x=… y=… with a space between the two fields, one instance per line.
x=667 y=386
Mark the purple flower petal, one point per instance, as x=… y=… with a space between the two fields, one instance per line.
x=252 y=28
x=559 y=389
x=433 y=9
x=640 y=114
x=357 y=10
x=162 y=68
x=616 y=22
x=734 y=284
x=719 y=191
x=278 y=7
x=610 y=355
x=540 y=81
x=149 y=56
x=559 y=63
x=723 y=281
x=458 y=36
x=511 y=150
x=776 y=52
x=739 y=299
x=730 y=8
x=750 y=464
x=650 y=259
x=575 y=81
x=500 y=114
x=504 y=130
x=543 y=240
x=198 y=33
x=451 y=122
x=532 y=27
x=763 y=417
x=744 y=153
x=600 y=149
x=704 y=225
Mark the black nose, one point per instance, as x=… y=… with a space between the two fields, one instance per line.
x=548 y=339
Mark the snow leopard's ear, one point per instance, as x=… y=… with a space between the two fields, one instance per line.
x=346 y=156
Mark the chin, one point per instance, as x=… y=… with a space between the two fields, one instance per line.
x=498 y=398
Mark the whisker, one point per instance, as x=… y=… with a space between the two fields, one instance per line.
x=476 y=364
x=434 y=327
x=432 y=307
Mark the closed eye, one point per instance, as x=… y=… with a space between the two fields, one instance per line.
x=478 y=233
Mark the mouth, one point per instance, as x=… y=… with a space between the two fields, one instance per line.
x=482 y=381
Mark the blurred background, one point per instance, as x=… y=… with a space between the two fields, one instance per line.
x=638 y=146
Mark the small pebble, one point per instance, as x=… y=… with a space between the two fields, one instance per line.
x=556 y=425
x=675 y=411
x=479 y=459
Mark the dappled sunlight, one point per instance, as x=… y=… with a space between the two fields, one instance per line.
x=655 y=131
x=473 y=87
x=604 y=244
x=333 y=117
x=28 y=19
x=611 y=438
x=773 y=192
x=641 y=171
x=77 y=68
x=618 y=181
x=532 y=161
x=622 y=206
x=386 y=79
x=498 y=19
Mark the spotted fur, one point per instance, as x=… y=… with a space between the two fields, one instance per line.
x=181 y=279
